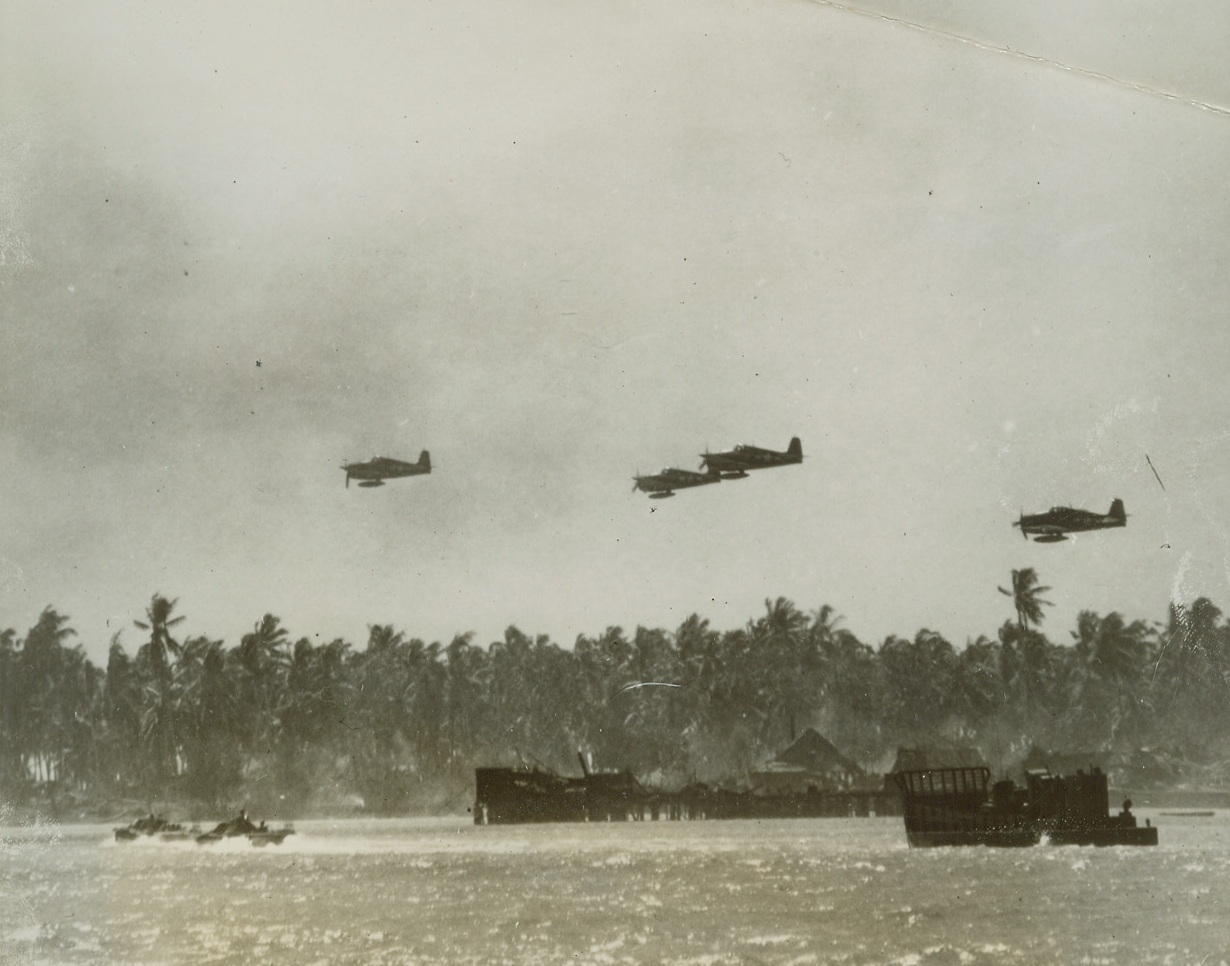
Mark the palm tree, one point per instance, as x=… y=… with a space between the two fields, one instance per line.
x=158 y=716
x=979 y=688
x=10 y=709
x=1190 y=672
x=467 y=691
x=1027 y=597
x=1113 y=692
x=920 y=678
x=263 y=659
x=826 y=623
x=825 y=638
x=78 y=701
x=158 y=621
x=856 y=699
x=41 y=672
x=207 y=696
x=784 y=666
x=121 y=717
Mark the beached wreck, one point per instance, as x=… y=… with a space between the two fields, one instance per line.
x=506 y=796
x=960 y=806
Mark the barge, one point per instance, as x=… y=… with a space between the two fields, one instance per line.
x=960 y=806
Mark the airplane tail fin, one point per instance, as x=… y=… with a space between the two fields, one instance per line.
x=795 y=448
x=425 y=460
x=1117 y=511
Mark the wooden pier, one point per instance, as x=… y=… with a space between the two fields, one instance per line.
x=521 y=795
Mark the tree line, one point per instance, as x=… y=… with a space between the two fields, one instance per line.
x=285 y=724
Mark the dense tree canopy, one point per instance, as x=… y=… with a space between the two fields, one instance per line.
x=400 y=723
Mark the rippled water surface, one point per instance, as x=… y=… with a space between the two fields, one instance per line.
x=443 y=891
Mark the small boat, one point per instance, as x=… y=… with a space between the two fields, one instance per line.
x=960 y=806
x=242 y=827
x=1190 y=814
x=154 y=826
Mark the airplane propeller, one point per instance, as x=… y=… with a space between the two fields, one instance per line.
x=346 y=467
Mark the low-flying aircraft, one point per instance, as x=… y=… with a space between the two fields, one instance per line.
x=661 y=485
x=1059 y=521
x=733 y=465
x=380 y=468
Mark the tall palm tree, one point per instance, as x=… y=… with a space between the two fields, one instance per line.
x=1027 y=597
x=41 y=669
x=920 y=679
x=158 y=621
x=207 y=704
x=78 y=694
x=1189 y=676
x=979 y=692
x=826 y=622
x=10 y=709
x=825 y=638
x=121 y=717
x=467 y=691
x=1111 y=655
x=855 y=694
x=158 y=715
x=788 y=668
x=263 y=659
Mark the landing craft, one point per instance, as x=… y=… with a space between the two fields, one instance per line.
x=733 y=465
x=380 y=468
x=661 y=485
x=1054 y=525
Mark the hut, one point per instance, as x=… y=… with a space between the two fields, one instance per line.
x=811 y=763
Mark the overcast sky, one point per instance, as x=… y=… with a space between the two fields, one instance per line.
x=979 y=262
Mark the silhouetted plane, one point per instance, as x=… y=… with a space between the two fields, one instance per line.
x=733 y=465
x=661 y=485
x=1058 y=521
x=380 y=468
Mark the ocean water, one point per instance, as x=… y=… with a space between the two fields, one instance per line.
x=424 y=891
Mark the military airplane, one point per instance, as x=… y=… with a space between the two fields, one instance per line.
x=1059 y=521
x=380 y=468
x=733 y=465
x=661 y=485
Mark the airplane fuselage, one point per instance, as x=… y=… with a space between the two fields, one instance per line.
x=375 y=471
x=1052 y=526
x=661 y=485
x=734 y=464
x=386 y=471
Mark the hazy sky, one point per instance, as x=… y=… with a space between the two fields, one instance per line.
x=978 y=268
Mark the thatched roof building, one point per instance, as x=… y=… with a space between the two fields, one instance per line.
x=810 y=762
